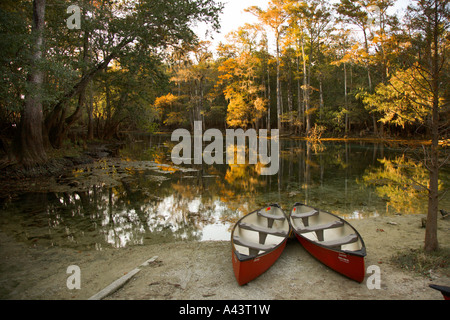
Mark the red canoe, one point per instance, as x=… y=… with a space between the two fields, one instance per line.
x=330 y=239
x=443 y=289
x=257 y=240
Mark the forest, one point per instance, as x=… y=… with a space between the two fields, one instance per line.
x=309 y=68
x=348 y=68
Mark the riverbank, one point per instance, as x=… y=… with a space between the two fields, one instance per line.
x=16 y=179
x=203 y=270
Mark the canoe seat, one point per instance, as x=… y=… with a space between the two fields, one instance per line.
x=261 y=229
x=252 y=245
x=270 y=216
x=341 y=241
x=298 y=215
x=318 y=227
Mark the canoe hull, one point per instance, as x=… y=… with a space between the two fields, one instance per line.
x=257 y=241
x=347 y=264
x=444 y=290
x=248 y=270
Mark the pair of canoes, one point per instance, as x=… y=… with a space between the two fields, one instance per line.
x=259 y=238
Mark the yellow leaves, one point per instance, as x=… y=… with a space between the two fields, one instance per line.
x=311 y=111
x=239 y=74
x=237 y=110
x=167 y=99
x=347 y=58
x=376 y=38
x=244 y=108
x=228 y=66
x=403 y=181
x=226 y=76
x=243 y=176
x=406 y=99
x=174 y=118
x=260 y=105
x=171 y=109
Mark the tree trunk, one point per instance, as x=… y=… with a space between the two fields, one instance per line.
x=299 y=96
x=366 y=44
x=269 y=109
x=369 y=79
x=431 y=241
x=305 y=91
x=31 y=149
x=78 y=89
x=278 y=83
x=321 y=102
x=289 y=97
x=58 y=131
x=90 y=112
x=345 y=98
x=308 y=116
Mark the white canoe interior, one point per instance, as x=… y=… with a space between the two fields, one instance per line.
x=260 y=231
x=324 y=228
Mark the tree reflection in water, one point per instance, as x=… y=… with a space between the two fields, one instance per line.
x=403 y=181
x=163 y=203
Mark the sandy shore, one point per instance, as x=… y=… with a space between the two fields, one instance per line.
x=203 y=270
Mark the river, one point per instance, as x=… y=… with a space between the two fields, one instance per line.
x=140 y=197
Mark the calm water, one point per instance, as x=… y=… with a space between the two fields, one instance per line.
x=159 y=202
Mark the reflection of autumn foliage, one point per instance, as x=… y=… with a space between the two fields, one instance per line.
x=242 y=176
x=160 y=157
x=239 y=182
x=404 y=181
x=195 y=208
x=230 y=191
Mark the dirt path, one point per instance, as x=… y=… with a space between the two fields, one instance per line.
x=202 y=270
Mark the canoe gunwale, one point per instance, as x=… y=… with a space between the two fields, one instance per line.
x=243 y=257
x=360 y=253
x=349 y=263
x=248 y=267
